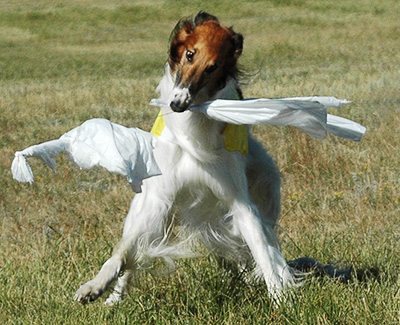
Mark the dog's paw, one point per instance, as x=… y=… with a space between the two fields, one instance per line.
x=88 y=292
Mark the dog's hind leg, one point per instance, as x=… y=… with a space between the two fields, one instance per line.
x=120 y=289
x=264 y=181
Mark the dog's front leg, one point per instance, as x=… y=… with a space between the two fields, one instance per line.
x=228 y=182
x=264 y=246
x=111 y=269
x=144 y=223
x=93 y=289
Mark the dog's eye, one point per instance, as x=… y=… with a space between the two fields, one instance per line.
x=189 y=55
x=212 y=68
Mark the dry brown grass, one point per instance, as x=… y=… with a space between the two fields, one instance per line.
x=62 y=63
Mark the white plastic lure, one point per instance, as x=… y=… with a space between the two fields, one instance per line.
x=129 y=151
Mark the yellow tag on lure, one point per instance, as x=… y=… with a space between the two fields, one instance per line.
x=236 y=136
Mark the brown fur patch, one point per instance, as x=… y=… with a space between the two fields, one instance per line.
x=214 y=53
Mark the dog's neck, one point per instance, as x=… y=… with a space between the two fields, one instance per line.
x=193 y=131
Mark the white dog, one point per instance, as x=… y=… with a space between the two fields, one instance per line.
x=219 y=184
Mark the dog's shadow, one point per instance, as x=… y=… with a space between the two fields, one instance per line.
x=307 y=265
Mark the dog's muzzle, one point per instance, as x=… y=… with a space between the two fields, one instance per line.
x=181 y=99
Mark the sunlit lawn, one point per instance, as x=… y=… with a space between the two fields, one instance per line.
x=62 y=63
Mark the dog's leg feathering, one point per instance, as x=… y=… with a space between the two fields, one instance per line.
x=263 y=244
x=144 y=223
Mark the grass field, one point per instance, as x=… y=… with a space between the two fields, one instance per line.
x=63 y=62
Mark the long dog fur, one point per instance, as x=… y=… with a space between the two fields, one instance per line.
x=228 y=201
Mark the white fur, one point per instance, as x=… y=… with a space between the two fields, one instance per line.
x=225 y=200
x=181 y=95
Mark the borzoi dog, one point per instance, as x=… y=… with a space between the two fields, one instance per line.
x=218 y=182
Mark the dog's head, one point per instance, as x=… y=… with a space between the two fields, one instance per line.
x=202 y=58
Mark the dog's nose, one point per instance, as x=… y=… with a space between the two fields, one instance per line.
x=181 y=99
x=178 y=107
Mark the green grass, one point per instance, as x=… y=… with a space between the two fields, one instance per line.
x=63 y=62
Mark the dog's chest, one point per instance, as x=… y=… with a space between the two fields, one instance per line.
x=197 y=205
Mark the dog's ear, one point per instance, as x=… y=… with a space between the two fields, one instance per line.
x=202 y=17
x=178 y=37
x=237 y=40
x=182 y=29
